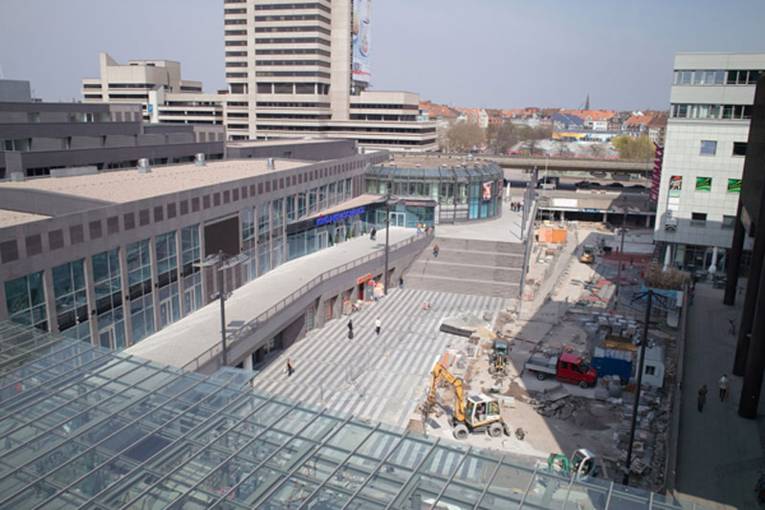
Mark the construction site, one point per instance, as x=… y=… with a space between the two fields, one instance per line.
x=543 y=365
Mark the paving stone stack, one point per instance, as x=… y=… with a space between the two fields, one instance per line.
x=467 y=266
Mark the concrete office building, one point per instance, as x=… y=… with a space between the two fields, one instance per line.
x=111 y=257
x=38 y=139
x=706 y=140
x=163 y=95
x=302 y=69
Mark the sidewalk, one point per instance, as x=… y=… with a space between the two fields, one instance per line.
x=719 y=453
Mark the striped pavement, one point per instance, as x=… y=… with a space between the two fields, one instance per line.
x=375 y=378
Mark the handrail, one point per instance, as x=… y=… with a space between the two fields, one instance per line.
x=250 y=326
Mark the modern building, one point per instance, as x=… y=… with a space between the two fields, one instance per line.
x=302 y=69
x=706 y=140
x=12 y=91
x=38 y=139
x=439 y=190
x=116 y=256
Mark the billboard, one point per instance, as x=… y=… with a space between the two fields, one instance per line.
x=675 y=185
x=486 y=195
x=361 y=39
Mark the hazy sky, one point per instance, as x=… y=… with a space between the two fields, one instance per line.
x=493 y=53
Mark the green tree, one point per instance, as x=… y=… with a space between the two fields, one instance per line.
x=463 y=136
x=501 y=138
x=634 y=148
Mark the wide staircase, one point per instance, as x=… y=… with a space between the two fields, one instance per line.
x=467 y=266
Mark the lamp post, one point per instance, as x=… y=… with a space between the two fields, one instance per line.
x=390 y=200
x=223 y=262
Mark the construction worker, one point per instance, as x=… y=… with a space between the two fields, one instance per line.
x=702 y=398
x=723 y=387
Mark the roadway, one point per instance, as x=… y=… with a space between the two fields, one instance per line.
x=573 y=165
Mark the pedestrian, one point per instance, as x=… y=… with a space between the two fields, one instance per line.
x=373 y=234
x=732 y=327
x=289 y=368
x=702 y=398
x=378 y=325
x=435 y=250
x=400 y=282
x=350 y=325
x=723 y=387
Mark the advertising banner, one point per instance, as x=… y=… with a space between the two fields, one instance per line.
x=734 y=185
x=703 y=184
x=486 y=191
x=361 y=39
x=675 y=185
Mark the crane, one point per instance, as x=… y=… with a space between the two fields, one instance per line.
x=476 y=413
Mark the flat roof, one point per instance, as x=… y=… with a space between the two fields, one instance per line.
x=290 y=141
x=84 y=427
x=359 y=201
x=122 y=186
x=10 y=218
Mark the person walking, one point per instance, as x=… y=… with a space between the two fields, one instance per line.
x=400 y=282
x=350 y=329
x=289 y=368
x=378 y=326
x=723 y=387
x=373 y=234
x=436 y=249
x=732 y=327
x=702 y=398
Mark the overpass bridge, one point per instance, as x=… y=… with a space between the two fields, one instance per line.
x=574 y=165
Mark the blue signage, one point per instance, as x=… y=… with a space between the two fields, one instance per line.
x=334 y=218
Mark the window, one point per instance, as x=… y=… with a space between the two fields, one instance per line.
x=140 y=289
x=739 y=148
x=25 y=300
x=167 y=278
x=650 y=370
x=108 y=290
x=698 y=218
x=708 y=148
x=71 y=300
x=703 y=184
x=728 y=221
x=192 y=277
x=734 y=185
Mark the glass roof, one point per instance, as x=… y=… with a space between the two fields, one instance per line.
x=83 y=427
x=458 y=172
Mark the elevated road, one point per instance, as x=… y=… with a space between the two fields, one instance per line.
x=573 y=164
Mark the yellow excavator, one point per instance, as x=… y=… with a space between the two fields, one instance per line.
x=476 y=413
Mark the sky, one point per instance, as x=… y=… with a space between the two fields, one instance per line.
x=487 y=53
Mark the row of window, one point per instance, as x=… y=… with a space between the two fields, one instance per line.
x=284 y=40
x=321 y=89
x=304 y=5
x=711 y=111
x=703 y=184
x=294 y=17
x=699 y=219
x=293 y=51
x=292 y=74
x=709 y=148
x=717 y=77
x=320 y=63
x=25 y=296
x=281 y=104
x=264 y=30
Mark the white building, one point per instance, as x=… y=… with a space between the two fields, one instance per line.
x=706 y=137
x=302 y=69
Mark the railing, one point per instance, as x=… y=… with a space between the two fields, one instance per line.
x=247 y=329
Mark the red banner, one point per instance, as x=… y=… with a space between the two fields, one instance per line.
x=656 y=175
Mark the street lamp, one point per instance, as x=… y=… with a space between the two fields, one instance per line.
x=223 y=262
x=390 y=200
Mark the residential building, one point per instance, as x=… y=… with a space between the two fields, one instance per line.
x=113 y=257
x=38 y=139
x=289 y=65
x=651 y=124
x=595 y=120
x=444 y=116
x=477 y=116
x=706 y=141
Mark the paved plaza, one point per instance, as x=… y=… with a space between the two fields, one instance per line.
x=380 y=378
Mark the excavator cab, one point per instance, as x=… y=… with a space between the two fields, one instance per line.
x=582 y=465
x=498 y=358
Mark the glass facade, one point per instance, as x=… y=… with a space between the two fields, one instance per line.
x=264 y=238
x=71 y=300
x=462 y=192
x=140 y=289
x=25 y=300
x=107 y=283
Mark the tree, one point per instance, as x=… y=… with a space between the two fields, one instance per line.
x=597 y=150
x=463 y=136
x=501 y=138
x=634 y=148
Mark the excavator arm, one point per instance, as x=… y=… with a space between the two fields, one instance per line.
x=441 y=372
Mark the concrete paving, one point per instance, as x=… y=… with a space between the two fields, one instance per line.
x=506 y=228
x=182 y=341
x=380 y=378
x=719 y=453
